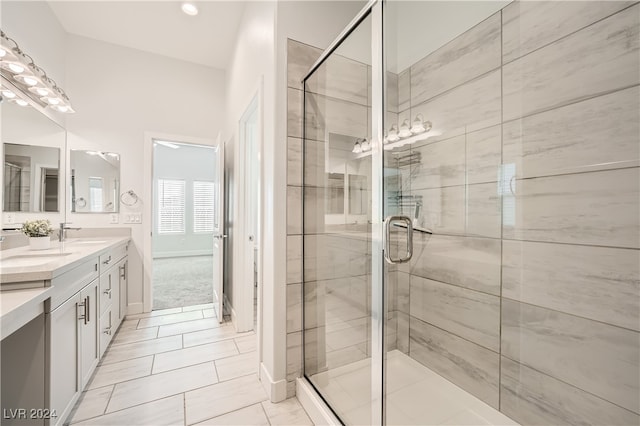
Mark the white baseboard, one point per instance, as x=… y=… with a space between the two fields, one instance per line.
x=182 y=253
x=315 y=407
x=277 y=391
x=135 y=308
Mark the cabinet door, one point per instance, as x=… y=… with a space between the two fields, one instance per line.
x=106 y=331
x=89 y=332
x=64 y=357
x=123 y=268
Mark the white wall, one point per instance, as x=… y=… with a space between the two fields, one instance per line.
x=119 y=94
x=251 y=71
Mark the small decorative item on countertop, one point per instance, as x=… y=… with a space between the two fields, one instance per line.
x=39 y=232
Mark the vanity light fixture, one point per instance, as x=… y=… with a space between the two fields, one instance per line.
x=357 y=148
x=366 y=145
x=190 y=8
x=30 y=79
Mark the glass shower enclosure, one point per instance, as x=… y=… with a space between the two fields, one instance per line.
x=471 y=215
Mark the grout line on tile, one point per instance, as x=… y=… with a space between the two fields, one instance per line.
x=568 y=384
x=184 y=407
x=570 y=34
x=153 y=363
x=570 y=314
x=265 y=412
x=238 y=409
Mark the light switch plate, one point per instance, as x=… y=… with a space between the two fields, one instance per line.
x=133 y=218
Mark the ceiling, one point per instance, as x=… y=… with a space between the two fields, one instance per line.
x=158 y=27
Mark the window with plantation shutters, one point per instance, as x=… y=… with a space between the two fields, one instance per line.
x=171 y=194
x=203 y=203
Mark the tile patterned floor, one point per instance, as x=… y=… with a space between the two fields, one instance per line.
x=180 y=366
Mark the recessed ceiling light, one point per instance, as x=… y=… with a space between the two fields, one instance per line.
x=189 y=8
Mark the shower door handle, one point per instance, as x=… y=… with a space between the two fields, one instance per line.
x=387 y=238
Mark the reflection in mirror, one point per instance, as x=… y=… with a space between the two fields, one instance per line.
x=30 y=178
x=95 y=181
x=347 y=176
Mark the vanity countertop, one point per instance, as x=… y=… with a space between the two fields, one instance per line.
x=21 y=264
x=18 y=307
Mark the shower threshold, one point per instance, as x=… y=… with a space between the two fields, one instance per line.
x=415 y=395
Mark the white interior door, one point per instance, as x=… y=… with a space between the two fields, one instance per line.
x=218 y=232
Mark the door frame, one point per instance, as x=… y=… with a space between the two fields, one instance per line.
x=242 y=310
x=147 y=209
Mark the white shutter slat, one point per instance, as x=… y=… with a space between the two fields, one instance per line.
x=171 y=206
x=203 y=206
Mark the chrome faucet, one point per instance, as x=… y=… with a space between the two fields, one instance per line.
x=62 y=234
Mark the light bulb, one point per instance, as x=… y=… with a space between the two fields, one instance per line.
x=357 y=149
x=15 y=68
x=8 y=94
x=22 y=102
x=366 y=145
x=404 y=129
x=2 y=52
x=393 y=134
x=41 y=91
x=418 y=125
x=51 y=101
x=189 y=8
x=26 y=79
x=61 y=108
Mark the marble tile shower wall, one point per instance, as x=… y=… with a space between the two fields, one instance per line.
x=528 y=293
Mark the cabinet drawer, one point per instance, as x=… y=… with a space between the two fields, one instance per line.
x=108 y=284
x=110 y=258
x=69 y=283
x=106 y=330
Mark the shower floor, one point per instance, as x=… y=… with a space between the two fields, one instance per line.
x=415 y=395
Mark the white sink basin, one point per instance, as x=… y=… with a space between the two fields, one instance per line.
x=30 y=259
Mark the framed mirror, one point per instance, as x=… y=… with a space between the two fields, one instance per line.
x=95 y=181
x=31 y=179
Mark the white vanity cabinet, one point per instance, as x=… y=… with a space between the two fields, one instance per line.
x=113 y=282
x=57 y=320
x=72 y=345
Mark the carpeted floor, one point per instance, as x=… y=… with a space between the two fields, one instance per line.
x=182 y=281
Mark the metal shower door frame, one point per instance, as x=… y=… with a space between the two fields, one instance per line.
x=375 y=9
